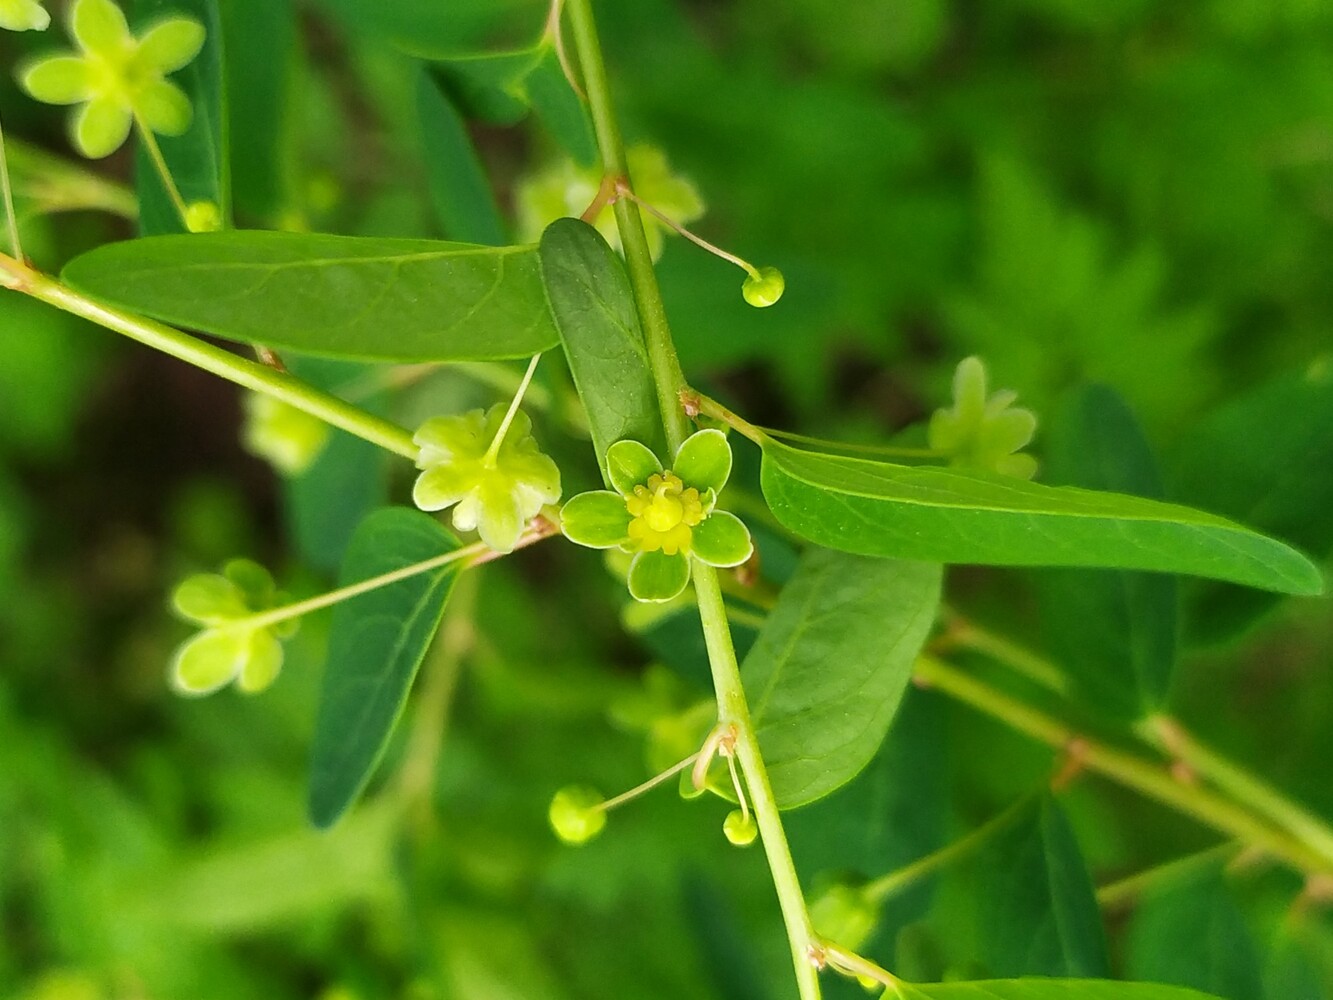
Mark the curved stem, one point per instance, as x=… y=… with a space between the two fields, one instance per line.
x=218 y=361
x=1125 y=891
x=7 y=195
x=154 y=152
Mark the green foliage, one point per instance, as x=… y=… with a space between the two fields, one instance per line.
x=919 y=512
x=332 y=295
x=376 y=643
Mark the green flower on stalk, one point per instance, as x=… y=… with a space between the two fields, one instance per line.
x=227 y=651
x=117 y=77
x=23 y=15
x=289 y=438
x=662 y=516
x=495 y=478
x=983 y=432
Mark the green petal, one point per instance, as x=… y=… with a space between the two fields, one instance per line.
x=722 y=540
x=209 y=661
x=656 y=577
x=23 y=15
x=253 y=580
x=208 y=599
x=101 y=127
x=1008 y=431
x=99 y=26
x=169 y=45
x=629 y=463
x=537 y=473
x=444 y=439
x=499 y=520
x=598 y=519
x=704 y=460
x=164 y=108
x=442 y=486
x=58 y=80
x=262 y=666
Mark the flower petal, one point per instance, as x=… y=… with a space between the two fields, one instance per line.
x=58 y=80
x=704 y=460
x=598 y=519
x=208 y=599
x=722 y=539
x=99 y=26
x=262 y=666
x=164 y=107
x=499 y=520
x=655 y=577
x=101 y=127
x=170 y=44
x=442 y=486
x=23 y=15
x=629 y=463
x=443 y=439
x=209 y=661
x=253 y=580
x=535 y=471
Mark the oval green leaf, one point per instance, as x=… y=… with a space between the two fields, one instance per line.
x=831 y=664
x=594 y=311
x=1045 y=989
x=1114 y=631
x=947 y=515
x=376 y=644
x=338 y=296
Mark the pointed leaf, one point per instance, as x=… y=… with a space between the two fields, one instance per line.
x=376 y=644
x=1045 y=989
x=593 y=308
x=947 y=515
x=825 y=678
x=341 y=296
x=1114 y=631
x=464 y=201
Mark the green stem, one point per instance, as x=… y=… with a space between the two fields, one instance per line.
x=1125 y=891
x=1172 y=738
x=1143 y=776
x=662 y=359
x=887 y=886
x=648 y=785
x=249 y=374
x=732 y=709
x=154 y=152
x=7 y=194
x=1038 y=669
x=697 y=402
x=493 y=452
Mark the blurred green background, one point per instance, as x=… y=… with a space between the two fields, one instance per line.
x=1125 y=191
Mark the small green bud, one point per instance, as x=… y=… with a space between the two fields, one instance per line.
x=842 y=914
x=203 y=217
x=740 y=828
x=575 y=816
x=765 y=288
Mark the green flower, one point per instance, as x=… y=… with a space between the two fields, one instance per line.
x=662 y=516
x=227 y=651
x=497 y=491
x=576 y=815
x=981 y=432
x=289 y=438
x=566 y=189
x=117 y=77
x=23 y=15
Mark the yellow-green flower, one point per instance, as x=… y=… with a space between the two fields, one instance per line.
x=23 y=15
x=227 y=649
x=495 y=491
x=566 y=189
x=117 y=77
x=663 y=516
x=290 y=438
x=981 y=431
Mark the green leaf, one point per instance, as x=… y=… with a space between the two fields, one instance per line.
x=1267 y=459
x=1037 y=913
x=947 y=515
x=593 y=308
x=1193 y=933
x=198 y=160
x=376 y=644
x=1046 y=989
x=341 y=296
x=825 y=678
x=1114 y=631
x=462 y=195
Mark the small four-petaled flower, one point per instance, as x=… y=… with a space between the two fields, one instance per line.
x=664 y=516
x=982 y=431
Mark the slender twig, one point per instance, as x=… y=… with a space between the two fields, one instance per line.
x=557 y=37
x=961 y=632
x=493 y=452
x=623 y=190
x=7 y=194
x=1127 y=890
x=154 y=152
x=648 y=785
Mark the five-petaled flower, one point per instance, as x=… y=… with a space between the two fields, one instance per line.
x=116 y=77
x=23 y=15
x=663 y=516
x=497 y=489
x=983 y=431
x=230 y=648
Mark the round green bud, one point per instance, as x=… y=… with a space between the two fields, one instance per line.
x=203 y=217
x=575 y=816
x=764 y=288
x=842 y=914
x=740 y=828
